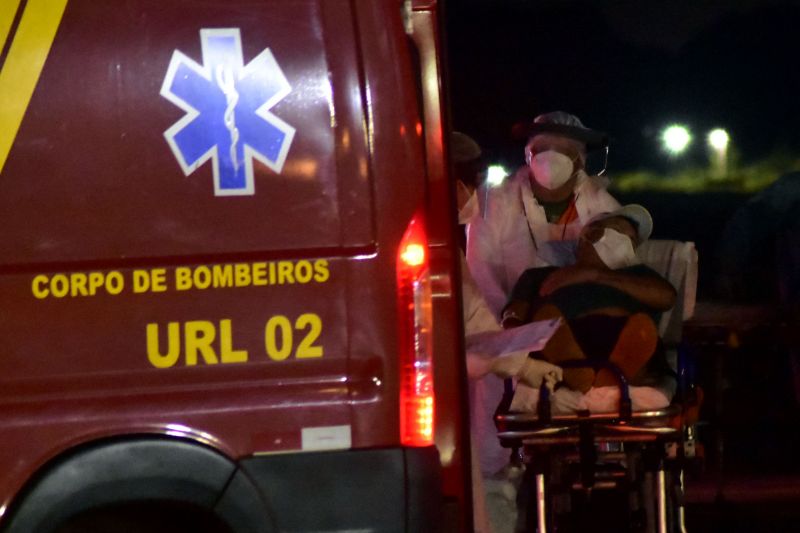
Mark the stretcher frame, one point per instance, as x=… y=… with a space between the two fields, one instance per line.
x=665 y=437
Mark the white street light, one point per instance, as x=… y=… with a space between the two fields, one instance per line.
x=718 y=140
x=495 y=175
x=676 y=139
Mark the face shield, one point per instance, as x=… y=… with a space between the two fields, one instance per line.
x=597 y=162
x=561 y=125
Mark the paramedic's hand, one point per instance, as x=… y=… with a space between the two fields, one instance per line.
x=508 y=366
x=531 y=372
x=534 y=371
x=569 y=275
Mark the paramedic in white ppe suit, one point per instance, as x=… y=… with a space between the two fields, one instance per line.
x=494 y=496
x=549 y=199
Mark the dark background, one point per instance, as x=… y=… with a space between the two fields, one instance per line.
x=629 y=68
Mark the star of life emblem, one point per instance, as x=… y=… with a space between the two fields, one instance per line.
x=227 y=107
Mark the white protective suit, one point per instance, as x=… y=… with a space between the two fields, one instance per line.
x=486 y=389
x=502 y=242
x=494 y=496
x=494 y=489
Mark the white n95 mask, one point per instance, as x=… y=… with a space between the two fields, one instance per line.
x=551 y=169
x=615 y=249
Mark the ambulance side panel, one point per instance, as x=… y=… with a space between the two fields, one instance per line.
x=201 y=210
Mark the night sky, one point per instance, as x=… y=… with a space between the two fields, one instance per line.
x=628 y=68
x=631 y=68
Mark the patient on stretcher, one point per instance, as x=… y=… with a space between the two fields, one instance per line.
x=610 y=305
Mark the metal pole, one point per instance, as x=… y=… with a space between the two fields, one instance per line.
x=681 y=508
x=541 y=507
x=661 y=494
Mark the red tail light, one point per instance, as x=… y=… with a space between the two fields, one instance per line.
x=416 y=354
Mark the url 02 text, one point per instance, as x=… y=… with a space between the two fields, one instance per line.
x=210 y=343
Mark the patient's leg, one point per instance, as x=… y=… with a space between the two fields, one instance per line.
x=562 y=346
x=636 y=344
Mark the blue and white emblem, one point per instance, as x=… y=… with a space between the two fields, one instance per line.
x=227 y=107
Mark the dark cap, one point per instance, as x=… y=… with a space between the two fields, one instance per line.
x=570 y=126
x=463 y=148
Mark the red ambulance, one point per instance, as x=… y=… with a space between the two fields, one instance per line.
x=228 y=272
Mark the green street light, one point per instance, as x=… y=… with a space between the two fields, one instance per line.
x=676 y=139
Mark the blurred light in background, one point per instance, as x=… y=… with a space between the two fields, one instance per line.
x=676 y=139
x=718 y=139
x=495 y=175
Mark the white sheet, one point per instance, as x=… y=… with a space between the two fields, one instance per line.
x=595 y=400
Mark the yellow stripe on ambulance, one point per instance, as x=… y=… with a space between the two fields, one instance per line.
x=20 y=72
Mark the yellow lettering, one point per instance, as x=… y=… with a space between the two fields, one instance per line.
x=77 y=284
x=198 y=336
x=202 y=277
x=114 y=283
x=285 y=272
x=158 y=278
x=242 y=275
x=259 y=274
x=275 y=352
x=141 y=281
x=226 y=352
x=302 y=271
x=80 y=284
x=321 y=273
x=95 y=282
x=306 y=349
x=183 y=278
x=223 y=276
x=59 y=286
x=38 y=290
x=154 y=355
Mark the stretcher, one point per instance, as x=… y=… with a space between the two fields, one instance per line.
x=636 y=453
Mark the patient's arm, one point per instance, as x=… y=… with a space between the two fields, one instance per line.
x=648 y=288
